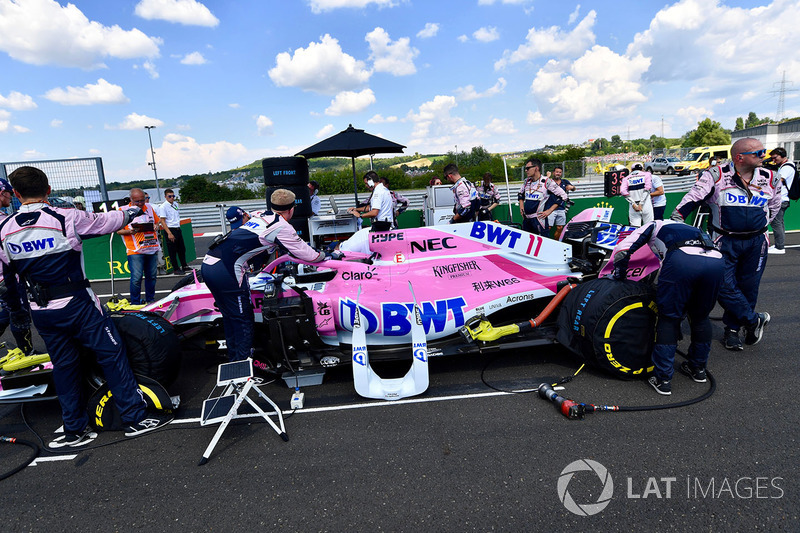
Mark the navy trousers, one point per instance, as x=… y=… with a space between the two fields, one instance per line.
x=687 y=285
x=233 y=301
x=82 y=323
x=745 y=261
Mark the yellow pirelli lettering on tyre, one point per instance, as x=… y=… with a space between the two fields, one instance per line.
x=607 y=346
x=98 y=411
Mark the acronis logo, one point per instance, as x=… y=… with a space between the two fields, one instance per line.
x=31 y=246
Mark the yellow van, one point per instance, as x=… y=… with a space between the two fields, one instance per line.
x=699 y=158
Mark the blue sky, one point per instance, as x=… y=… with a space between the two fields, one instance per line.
x=229 y=82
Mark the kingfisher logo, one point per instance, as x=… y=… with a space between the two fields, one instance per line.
x=31 y=246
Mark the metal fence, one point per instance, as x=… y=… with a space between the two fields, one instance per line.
x=68 y=177
x=212 y=215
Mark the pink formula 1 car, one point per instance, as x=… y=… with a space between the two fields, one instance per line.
x=418 y=293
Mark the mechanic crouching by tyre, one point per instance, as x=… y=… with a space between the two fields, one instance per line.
x=743 y=199
x=43 y=245
x=688 y=284
x=227 y=262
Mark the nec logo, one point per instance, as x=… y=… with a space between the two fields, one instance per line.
x=31 y=246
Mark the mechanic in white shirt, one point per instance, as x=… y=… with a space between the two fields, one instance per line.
x=379 y=207
x=786 y=172
x=169 y=211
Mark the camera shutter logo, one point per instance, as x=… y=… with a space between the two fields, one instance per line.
x=585 y=509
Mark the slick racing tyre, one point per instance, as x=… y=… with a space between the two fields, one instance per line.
x=103 y=412
x=610 y=325
x=152 y=345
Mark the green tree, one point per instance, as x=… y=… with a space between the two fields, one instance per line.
x=708 y=132
x=739 y=124
x=616 y=141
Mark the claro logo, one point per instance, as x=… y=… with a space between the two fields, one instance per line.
x=31 y=246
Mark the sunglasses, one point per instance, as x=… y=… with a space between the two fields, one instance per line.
x=528 y=168
x=170 y=196
x=759 y=153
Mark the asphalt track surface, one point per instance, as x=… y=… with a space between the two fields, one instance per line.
x=461 y=457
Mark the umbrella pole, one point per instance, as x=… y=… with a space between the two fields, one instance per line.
x=355 y=181
x=508 y=191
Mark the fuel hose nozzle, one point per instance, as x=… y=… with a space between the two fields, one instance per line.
x=568 y=408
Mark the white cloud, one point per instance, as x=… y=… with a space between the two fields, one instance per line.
x=21 y=129
x=94 y=151
x=463 y=38
x=4 y=120
x=17 y=101
x=749 y=95
x=380 y=119
x=319 y=6
x=134 y=121
x=552 y=41
x=186 y=12
x=325 y=131
x=436 y=129
x=393 y=57
x=56 y=123
x=430 y=30
x=486 y=35
x=322 y=68
x=31 y=155
x=234 y=106
x=150 y=67
x=600 y=83
x=574 y=15
x=195 y=58
x=490 y=2
x=347 y=102
x=534 y=117
x=727 y=47
x=63 y=36
x=692 y=115
x=180 y=154
x=101 y=92
x=183 y=127
x=469 y=93
x=500 y=126
x=264 y=125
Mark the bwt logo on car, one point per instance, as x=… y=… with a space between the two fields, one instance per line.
x=31 y=246
x=396 y=316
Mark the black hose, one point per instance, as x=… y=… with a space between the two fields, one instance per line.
x=34 y=454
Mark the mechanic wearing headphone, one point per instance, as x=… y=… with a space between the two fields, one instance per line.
x=379 y=205
x=228 y=260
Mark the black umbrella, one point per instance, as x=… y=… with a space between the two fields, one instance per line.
x=352 y=143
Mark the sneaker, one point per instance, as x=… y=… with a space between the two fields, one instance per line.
x=754 y=335
x=73 y=441
x=662 y=387
x=773 y=250
x=698 y=375
x=732 y=340
x=150 y=423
